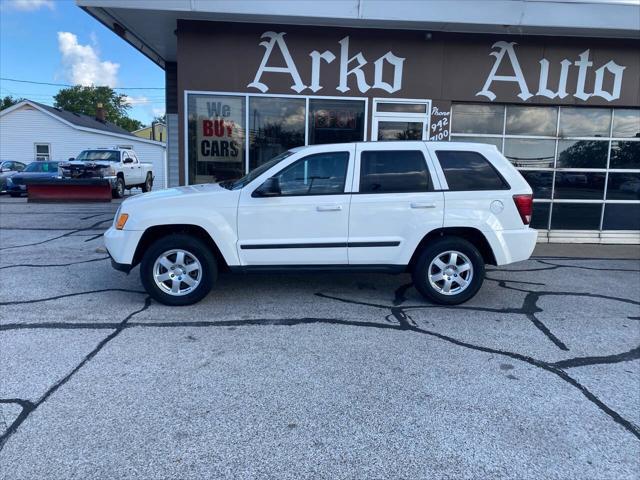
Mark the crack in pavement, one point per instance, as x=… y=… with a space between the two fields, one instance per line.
x=556 y=266
x=68 y=295
x=29 y=407
x=91 y=227
x=47 y=265
x=555 y=368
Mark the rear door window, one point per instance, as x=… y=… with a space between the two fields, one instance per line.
x=467 y=171
x=393 y=171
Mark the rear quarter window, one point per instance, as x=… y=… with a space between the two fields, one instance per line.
x=468 y=171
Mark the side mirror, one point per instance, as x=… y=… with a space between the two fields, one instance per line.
x=128 y=160
x=71 y=159
x=270 y=188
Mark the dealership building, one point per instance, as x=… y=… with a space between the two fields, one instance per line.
x=554 y=85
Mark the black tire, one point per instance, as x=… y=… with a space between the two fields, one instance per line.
x=421 y=272
x=118 y=191
x=148 y=183
x=193 y=246
x=15 y=195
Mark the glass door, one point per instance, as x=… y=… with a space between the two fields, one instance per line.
x=400 y=119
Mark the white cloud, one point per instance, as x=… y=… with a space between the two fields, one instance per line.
x=82 y=65
x=141 y=100
x=157 y=112
x=29 y=5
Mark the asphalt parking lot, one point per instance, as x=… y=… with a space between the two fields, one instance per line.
x=323 y=376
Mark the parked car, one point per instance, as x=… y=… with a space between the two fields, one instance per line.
x=9 y=168
x=16 y=183
x=440 y=211
x=119 y=165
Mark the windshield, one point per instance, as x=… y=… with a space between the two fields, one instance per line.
x=253 y=174
x=42 y=167
x=99 y=155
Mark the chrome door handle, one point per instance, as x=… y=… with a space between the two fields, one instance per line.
x=329 y=208
x=423 y=205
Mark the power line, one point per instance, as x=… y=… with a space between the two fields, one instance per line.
x=69 y=85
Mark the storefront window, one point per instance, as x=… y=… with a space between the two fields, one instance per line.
x=335 y=121
x=579 y=185
x=585 y=122
x=538 y=121
x=567 y=155
x=389 y=131
x=582 y=154
x=275 y=125
x=621 y=216
x=530 y=153
x=576 y=216
x=623 y=186
x=477 y=118
x=626 y=123
x=625 y=155
x=216 y=137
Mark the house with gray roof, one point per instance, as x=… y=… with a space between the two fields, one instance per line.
x=31 y=131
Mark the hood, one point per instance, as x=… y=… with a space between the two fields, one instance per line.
x=210 y=191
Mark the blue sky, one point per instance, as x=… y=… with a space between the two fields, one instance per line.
x=55 y=41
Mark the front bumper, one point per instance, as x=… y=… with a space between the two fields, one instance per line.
x=121 y=246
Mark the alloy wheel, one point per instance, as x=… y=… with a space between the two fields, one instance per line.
x=177 y=272
x=450 y=273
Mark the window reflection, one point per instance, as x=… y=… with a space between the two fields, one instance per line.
x=582 y=153
x=477 y=118
x=625 y=155
x=399 y=131
x=497 y=141
x=623 y=186
x=275 y=126
x=540 y=121
x=527 y=153
x=580 y=185
x=576 y=216
x=335 y=121
x=539 y=181
x=626 y=123
x=585 y=122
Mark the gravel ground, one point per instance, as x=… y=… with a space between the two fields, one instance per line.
x=320 y=376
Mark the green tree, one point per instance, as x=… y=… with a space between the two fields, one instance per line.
x=9 y=101
x=81 y=99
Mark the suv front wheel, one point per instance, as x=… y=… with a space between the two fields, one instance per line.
x=449 y=272
x=178 y=270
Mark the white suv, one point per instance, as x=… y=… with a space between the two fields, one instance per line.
x=438 y=210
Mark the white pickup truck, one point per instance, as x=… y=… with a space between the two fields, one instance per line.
x=439 y=210
x=117 y=164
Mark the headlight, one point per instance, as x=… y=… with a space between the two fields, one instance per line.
x=111 y=171
x=9 y=181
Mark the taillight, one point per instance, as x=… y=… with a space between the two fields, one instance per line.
x=524 y=204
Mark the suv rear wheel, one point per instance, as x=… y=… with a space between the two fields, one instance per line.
x=449 y=272
x=178 y=270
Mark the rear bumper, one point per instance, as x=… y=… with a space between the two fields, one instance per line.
x=510 y=246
